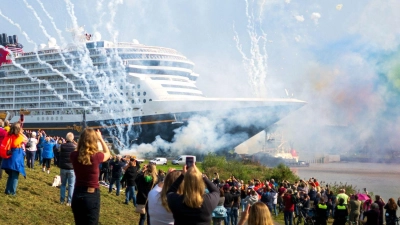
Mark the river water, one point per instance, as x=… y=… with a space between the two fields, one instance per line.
x=382 y=179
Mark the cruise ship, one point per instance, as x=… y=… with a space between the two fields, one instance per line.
x=126 y=89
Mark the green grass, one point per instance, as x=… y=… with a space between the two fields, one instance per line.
x=37 y=202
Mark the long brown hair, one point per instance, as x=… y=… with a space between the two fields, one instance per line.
x=169 y=180
x=259 y=215
x=193 y=188
x=87 y=146
x=392 y=204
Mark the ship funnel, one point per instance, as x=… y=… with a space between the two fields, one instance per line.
x=10 y=40
x=15 y=38
x=4 y=37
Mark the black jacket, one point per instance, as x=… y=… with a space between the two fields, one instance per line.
x=130 y=176
x=116 y=168
x=65 y=152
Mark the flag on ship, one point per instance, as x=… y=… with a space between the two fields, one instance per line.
x=16 y=48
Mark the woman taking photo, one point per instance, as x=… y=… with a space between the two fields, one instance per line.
x=145 y=181
x=86 y=160
x=15 y=164
x=193 y=206
x=257 y=214
x=159 y=212
x=391 y=208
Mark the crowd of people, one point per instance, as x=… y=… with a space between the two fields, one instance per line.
x=177 y=197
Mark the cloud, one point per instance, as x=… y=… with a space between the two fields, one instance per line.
x=315 y=16
x=287 y=1
x=299 y=18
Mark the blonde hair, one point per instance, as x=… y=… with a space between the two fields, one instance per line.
x=169 y=180
x=87 y=146
x=193 y=188
x=259 y=215
x=151 y=171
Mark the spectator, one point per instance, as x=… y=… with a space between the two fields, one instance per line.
x=47 y=153
x=379 y=201
x=342 y=194
x=219 y=213
x=258 y=214
x=7 y=125
x=371 y=217
x=341 y=213
x=105 y=172
x=391 y=208
x=86 y=161
x=289 y=207
x=355 y=208
x=129 y=177
x=228 y=203
x=159 y=212
x=251 y=198
x=243 y=195
x=31 y=151
x=116 y=173
x=39 y=151
x=56 y=151
x=145 y=181
x=235 y=205
x=3 y=134
x=66 y=168
x=15 y=164
x=193 y=205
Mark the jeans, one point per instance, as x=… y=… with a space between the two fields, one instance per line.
x=228 y=216
x=130 y=194
x=288 y=217
x=67 y=176
x=30 y=158
x=12 y=182
x=39 y=155
x=117 y=183
x=86 y=206
x=244 y=205
x=274 y=208
x=234 y=215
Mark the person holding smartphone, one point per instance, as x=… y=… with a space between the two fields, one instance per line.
x=193 y=204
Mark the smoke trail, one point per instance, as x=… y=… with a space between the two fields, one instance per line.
x=62 y=57
x=52 y=22
x=256 y=64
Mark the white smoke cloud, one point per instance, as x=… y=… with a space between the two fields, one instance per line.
x=297 y=38
x=299 y=18
x=287 y=1
x=315 y=16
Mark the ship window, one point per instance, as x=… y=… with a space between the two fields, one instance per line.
x=38 y=118
x=121 y=87
x=61 y=118
x=51 y=118
x=133 y=101
x=138 y=86
x=138 y=93
x=144 y=100
x=110 y=95
x=42 y=118
x=47 y=118
x=115 y=102
x=144 y=93
x=126 y=93
x=120 y=102
x=56 y=117
x=150 y=100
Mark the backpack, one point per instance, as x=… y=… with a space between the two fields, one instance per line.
x=294 y=199
x=5 y=148
x=28 y=144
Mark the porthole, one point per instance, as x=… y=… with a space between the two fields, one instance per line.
x=110 y=95
x=61 y=118
x=138 y=100
x=47 y=118
x=133 y=101
x=38 y=118
x=51 y=118
x=126 y=93
x=121 y=86
x=115 y=102
x=56 y=117
x=144 y=100
x=120 y=102
x=42 y=118
x=138 y=86
x=144 y=93
x=150 y=100
x=138 y=94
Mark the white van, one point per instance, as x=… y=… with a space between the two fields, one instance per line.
x=159 y=161
x=181 y=160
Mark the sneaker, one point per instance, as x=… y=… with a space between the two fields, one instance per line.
x=48 y=171
x=43 y=169
x=68 y=204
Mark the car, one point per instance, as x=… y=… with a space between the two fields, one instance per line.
x=181 y=160
x=159 y=161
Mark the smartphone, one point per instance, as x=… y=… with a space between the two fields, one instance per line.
x=189 y=162
x=21 y=118
x=365 y=189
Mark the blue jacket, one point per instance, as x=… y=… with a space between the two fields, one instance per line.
x=15 y=162
x=48 y=149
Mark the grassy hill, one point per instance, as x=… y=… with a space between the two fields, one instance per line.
x=37 y=202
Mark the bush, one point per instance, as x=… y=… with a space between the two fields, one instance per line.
x=244 y=170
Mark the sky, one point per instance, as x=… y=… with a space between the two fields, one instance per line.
x=341 y=57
